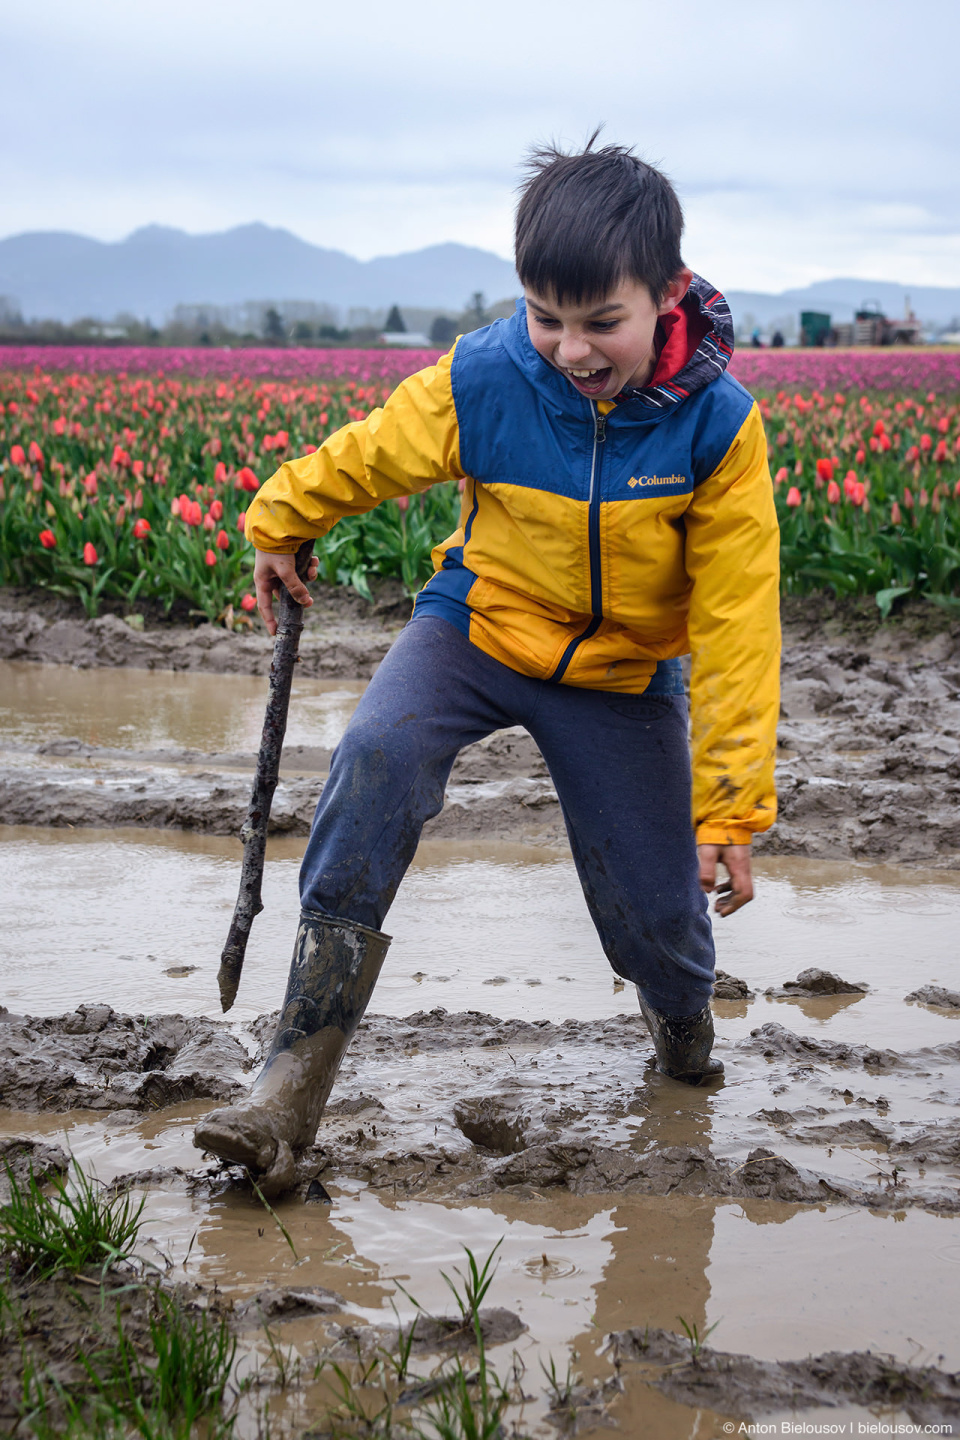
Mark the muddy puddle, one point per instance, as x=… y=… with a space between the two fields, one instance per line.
x=497 y=927
x=810 y=1203
x=146 y=710
x=501 y=1089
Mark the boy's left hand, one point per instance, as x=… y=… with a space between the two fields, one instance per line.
x=735 y=891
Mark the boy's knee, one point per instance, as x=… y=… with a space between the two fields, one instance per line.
x=370 y=750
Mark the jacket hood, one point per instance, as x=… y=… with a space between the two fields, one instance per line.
x=694 y=344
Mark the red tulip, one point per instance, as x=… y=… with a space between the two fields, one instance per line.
x=141 y=528
x=781 y=475
x=860 y=456
x=824 y=470
x=895 y=513
x=940 y=453
x=794 y=498
x=48 y=540
x=90 y=556
x=17 y=457
x=403 y=502
x=833 y=493
x=223 y=540
x=248 y=481
x=858 y=493
x=925 y=442
x=220 y=474
x=210 y=557
x=208 y=522
x=216 y=509
x=849 y=481
x=90 y=483
x=36 y=454
x=242 y=522
x=248 y=603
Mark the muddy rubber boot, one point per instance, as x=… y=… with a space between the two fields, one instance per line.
x=335 y=967
x=682 y=1044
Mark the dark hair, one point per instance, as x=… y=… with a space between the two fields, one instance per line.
x=586 y=222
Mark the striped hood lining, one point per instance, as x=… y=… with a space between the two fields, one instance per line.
x=702 y=305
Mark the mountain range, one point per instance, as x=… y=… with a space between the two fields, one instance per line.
x=57 y=275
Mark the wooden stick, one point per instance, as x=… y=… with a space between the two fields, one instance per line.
x=254 y=832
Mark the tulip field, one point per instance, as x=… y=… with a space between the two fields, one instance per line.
x=126 y=474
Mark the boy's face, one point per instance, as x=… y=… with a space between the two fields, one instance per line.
x=602 y=345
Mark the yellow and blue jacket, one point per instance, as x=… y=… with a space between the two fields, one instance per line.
x=595 y=540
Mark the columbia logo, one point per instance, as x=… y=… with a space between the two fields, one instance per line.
x=645 y=480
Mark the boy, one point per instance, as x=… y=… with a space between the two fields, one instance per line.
x=617 y=512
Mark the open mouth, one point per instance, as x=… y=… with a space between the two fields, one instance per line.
x=590 y=382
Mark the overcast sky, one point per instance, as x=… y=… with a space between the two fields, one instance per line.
x=807 y=138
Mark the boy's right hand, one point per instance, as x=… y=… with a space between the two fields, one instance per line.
x=272 y=571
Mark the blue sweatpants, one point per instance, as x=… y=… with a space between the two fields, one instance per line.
x=621 y=767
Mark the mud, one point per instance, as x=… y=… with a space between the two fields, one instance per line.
x=536 y=1107
x=936 y=995
x=739 y=1385
x=869 y=760
x=816 y=982
x=95 y=1059
x=345 y=637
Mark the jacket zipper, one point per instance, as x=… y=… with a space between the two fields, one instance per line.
x=593 y=546
x=593 y=520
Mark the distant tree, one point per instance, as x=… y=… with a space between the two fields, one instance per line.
x=395 y=325
x=273 y=326
x=475 y=314
x=302 y=331
x=444 y=331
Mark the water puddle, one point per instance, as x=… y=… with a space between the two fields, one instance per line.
x=136 y=919
x=503 y=928
x=162 y=709
x=778 y=1281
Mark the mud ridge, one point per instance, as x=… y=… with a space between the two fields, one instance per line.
x=465 y=1105
x=499 y=788
x=750 y=1389
x=95 y=1059
x=345 y=637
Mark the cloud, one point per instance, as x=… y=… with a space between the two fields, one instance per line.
x=806 y=139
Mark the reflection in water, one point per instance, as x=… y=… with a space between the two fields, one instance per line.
x=162 y=709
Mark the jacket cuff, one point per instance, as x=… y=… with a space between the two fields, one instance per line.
x=714 y=834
